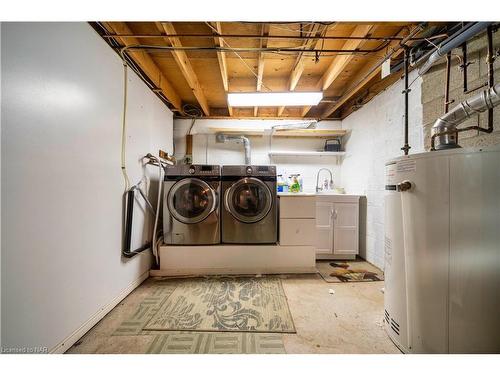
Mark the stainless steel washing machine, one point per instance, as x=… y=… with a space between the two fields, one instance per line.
x=249 y=207
x=191 y=205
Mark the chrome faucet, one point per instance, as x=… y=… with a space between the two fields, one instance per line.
x=318 y=188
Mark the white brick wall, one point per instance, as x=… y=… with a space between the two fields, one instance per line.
x=206 y=150
x=376 y=135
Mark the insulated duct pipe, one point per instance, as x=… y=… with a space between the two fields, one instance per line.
x=445 y=127
x=453 y=42
x=222 y=138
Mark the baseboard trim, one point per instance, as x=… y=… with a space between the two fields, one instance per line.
x=194 y=272
x=78 y=333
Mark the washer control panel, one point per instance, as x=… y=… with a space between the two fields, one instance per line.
x=249 y=170
x=193 y=170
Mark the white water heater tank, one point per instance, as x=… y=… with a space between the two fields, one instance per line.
x=442 y=251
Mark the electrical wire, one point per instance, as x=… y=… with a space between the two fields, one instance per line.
x=237 y=54
x=124 y=128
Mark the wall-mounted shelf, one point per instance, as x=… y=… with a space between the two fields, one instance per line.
x=307 y=153
x=233 y=131
x=318 y=133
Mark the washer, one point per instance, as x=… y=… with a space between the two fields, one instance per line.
x=191 y=205
x=249 y=207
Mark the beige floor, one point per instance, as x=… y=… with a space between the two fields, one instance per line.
x=348 y=321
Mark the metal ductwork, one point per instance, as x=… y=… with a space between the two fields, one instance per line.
x=445 y=127
x=470 y=31
x=222 y=138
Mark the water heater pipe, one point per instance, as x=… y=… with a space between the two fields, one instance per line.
x=445 y=127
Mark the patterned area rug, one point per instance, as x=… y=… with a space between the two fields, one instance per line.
x=217 y=343
x=224 y=304
x=348 y=271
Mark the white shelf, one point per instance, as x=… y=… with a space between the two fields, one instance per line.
x=307 y=153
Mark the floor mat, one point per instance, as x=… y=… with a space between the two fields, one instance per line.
x=348 y=271
x=217 y=343
x=225 y=304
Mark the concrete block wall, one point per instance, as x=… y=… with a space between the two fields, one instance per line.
x=433 y=87
x=375 y=136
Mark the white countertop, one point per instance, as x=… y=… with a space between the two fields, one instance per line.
x=309 y=194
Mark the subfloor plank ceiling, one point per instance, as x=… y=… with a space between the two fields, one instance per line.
x=206 y=60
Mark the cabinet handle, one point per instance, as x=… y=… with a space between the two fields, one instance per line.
x=335 y=214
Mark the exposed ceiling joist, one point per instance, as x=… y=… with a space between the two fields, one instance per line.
x=221 y=57
x=300 y=62
x=340 y=62
x=185 y=66
x=366 y=74
x=147 y=64
x=260 y=64
x=348 y=71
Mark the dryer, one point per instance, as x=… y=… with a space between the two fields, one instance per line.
x=191 y=205
x=249 y=212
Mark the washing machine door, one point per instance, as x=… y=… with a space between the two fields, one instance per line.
x=191 y=200
x=248 y=200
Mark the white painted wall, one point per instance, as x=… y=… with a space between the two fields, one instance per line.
x=61 y=179
x=207 y=150
x=376 y=135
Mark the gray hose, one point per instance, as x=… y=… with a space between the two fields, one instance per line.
x=452 y=43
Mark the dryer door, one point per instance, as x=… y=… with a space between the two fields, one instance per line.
x=249 y=200
x=191 y=200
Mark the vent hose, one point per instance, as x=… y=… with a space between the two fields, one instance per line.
x=223 y=138
x=445 y=127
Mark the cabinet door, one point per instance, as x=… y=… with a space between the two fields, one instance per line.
x=345 y=228
x=324 y=227
x=297 y=232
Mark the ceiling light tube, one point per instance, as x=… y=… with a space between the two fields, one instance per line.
x=273 y=99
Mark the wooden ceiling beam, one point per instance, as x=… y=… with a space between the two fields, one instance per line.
x=300 y=62
x=147 y=64
x=184 y=65
x=367 y=73
x=340 y=62
x=260 y=63
x=221 y=57
x=365 y=95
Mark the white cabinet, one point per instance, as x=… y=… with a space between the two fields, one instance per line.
x=297 y=220
x=297 y=232
x=337 y=226
x=324 y=227
x=327 y=222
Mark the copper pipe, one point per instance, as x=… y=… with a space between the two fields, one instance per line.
x=491 y=77
x=447 y=83
x=406 y=147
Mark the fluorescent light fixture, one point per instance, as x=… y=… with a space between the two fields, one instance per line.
x=273 y=99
